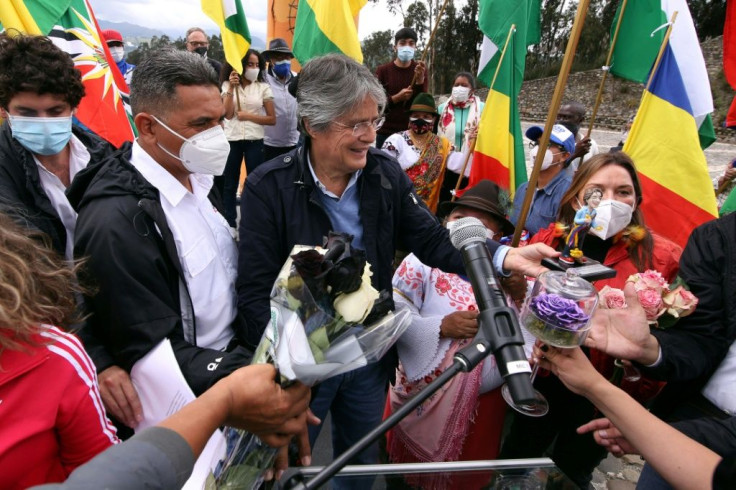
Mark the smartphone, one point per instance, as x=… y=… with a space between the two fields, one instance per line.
x=591 y=271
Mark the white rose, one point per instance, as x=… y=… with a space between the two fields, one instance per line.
x=355 y=306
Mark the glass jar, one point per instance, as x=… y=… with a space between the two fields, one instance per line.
x=559 y=308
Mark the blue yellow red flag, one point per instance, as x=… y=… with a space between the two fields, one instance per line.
x=665 y=146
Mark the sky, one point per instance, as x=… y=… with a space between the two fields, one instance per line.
x=172 y=16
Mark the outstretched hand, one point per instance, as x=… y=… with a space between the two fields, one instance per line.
x=571 y=366
x=624 y=332
x=607 y=435
x=528 y=260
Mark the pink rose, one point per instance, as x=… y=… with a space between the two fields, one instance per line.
x=612 y=298
x=651 y=301
x=648 y=280
x=680 y=302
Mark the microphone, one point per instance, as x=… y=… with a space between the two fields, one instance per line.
x=498 y=325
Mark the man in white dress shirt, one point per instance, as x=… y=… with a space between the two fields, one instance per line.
x=40 y=151
x=160 y=254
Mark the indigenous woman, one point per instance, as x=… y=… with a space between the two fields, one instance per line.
x=465 y=419
x=619 y=240
x=422 y=154
x=460 y=115
x=248 y=108
x=51 y=414
x=459 y=119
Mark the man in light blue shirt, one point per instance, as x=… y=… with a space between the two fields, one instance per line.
x=283 y=136
x=553 y=180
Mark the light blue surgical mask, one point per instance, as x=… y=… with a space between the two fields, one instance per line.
x=405 y=53
x=41 y=135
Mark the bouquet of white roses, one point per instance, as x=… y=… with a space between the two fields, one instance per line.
x=326 y=319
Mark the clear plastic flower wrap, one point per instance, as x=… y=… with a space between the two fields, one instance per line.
x=326 y=319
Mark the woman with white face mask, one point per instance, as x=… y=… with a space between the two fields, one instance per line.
x=249 y=106
x=422 y=154
x=458 y=122
x=619 y=239
x=461 y=113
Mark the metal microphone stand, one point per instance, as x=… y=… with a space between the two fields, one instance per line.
x=464 y=361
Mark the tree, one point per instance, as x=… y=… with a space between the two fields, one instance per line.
x=709 y=17
x=417 y=17
x=143 y=49
x=378 y=49
x=156 y=43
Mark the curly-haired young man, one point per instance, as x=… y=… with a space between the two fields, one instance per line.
x=40 y=151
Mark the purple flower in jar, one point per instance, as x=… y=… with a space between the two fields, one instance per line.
x=559 y=311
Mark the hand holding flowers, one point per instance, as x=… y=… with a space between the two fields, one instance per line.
x=326 y=319
x=655 y=295
x=621 y=324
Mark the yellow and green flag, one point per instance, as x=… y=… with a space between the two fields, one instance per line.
x=32 y=17
x=230 y=16
x=327 y=26
x=499 y=150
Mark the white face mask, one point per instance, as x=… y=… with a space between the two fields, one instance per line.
x=203 y=153
x=612 y=217
x=251 y=74
x=548 y=157
x=117 y=53
x=460 y=94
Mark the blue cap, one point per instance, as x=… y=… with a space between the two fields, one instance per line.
x=560 y=136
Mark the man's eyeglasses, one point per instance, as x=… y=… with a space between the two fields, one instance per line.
x=199 y=44
x=362 y=128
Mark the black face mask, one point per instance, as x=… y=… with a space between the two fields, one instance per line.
x=202 y=50
x=419 y=126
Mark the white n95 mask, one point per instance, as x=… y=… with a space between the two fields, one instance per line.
x=203 y=153
x=612 y=217
x=548 y=157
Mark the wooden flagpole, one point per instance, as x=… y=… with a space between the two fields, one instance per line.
x=429 y=42
x=606 y=68
x=661 y=51
x=554 y=106
x=657 y=61
x=471 y=143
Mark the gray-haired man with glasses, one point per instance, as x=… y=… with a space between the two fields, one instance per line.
x=338 y=182
x=198 y=42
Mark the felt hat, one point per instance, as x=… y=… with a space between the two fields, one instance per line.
x=278 y=46
x=484 y=196
x=423 y=102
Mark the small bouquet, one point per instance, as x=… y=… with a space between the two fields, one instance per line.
x=326 y=319
x=663 y=303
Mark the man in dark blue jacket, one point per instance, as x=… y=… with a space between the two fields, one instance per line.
x=336 y=181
